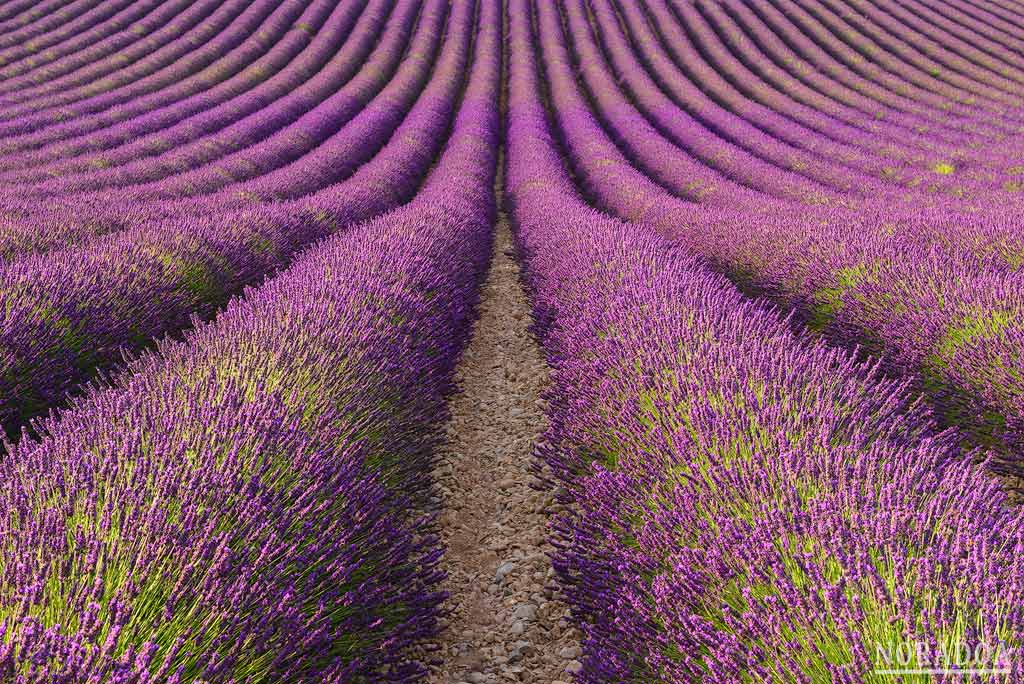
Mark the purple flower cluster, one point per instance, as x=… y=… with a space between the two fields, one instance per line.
x=241 y=505
x=244 y=502
x=927 y=275
x=256 y=74
x=743 y=504
x=72 y=311
x=192 y=103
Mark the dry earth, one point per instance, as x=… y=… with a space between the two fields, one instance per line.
x=505 y=622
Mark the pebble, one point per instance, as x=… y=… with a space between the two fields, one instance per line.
x=504 y=569
x=525 y=611
x=571 y=652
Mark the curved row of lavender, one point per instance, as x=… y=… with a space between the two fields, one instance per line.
x=71 y=312
x=123 y=31
x=700 y=34
x=45 y=225
x=286 y=146
x=738 y=73
x=241 y=506
x=931 y=282
x=103 y=161
x=275 y=106
x=743 y=505
x=255 y=69
x=224 y=29
x=219 y=174
x=239 y=83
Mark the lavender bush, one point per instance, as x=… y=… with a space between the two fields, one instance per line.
x=241 y=505
x=744 y=504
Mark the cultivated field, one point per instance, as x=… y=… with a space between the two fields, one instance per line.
x=488 y=341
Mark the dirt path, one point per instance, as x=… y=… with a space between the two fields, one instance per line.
x=505 y=623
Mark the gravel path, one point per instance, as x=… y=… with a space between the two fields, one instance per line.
x=505 y=622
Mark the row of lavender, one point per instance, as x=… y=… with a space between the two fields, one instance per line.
x=242 y=505
x=217 y=146
x=314 y=52
x=70 y=312
x=180 y=107
x=716 y=71
x=219 y=175
x=286 y=141
x=933 y=284
x=691 y=16
x=177 y=162
x=743 y=505
x=283 y=122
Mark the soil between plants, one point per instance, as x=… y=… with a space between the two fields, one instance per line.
x=505 y=622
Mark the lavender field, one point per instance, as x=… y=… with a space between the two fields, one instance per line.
x=490 y=341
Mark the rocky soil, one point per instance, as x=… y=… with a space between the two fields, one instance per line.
x=505 y=622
